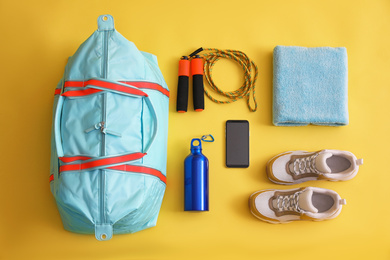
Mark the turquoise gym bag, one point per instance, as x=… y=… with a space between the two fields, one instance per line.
x=109 y=137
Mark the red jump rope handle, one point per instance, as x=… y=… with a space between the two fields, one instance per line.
x=197 y=83
x=182 y=87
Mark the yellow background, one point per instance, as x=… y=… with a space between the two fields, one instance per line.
x=38 y=36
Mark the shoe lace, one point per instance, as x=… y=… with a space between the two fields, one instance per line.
x=288 y=202
x=305 y=165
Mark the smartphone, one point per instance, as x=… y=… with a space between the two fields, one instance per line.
x=237 y=143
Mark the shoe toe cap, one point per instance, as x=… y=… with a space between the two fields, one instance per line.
x=260 y=205
x=277 y=169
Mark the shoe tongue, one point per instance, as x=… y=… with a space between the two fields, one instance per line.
x=305 y=201
x=321 y=164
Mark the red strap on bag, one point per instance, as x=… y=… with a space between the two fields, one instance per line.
x=102 y=85
x=140 y=169
x=137 y=84
x=133 y=168
x=147 y=85
x=74 y=158
x=109 y=161
x=102 y=162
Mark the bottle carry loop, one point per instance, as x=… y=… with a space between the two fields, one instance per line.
x=205 y=138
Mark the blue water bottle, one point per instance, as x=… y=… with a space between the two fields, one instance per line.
x=196 y=179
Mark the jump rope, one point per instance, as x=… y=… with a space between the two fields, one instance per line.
x=202 y=65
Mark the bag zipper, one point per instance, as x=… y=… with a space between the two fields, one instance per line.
x=104 y=118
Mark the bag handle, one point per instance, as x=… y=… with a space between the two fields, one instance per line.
x=96 y=85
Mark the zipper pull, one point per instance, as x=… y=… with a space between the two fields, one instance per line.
x=110 y=132
x=103 y=129
x=95 y=127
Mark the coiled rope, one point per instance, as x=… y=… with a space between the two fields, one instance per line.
x=211 y=57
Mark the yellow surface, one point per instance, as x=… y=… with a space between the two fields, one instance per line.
x=38 y=36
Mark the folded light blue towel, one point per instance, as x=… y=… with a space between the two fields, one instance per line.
x=310 y=86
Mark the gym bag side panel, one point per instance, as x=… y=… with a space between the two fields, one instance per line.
x=125 y=60
x=77 y=200
x=79 y=118
x=154 y=72
x=144 y=216
x=125 y=124
x=85 y=63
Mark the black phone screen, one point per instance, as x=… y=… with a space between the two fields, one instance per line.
x=237 y=143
